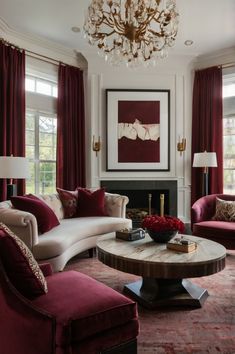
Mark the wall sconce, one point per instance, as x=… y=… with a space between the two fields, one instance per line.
x=96 y=145
x=181 y=146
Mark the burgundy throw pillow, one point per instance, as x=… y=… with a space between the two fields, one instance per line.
x=20 y=265
x=69 y=200
x=46 y=218
x=91 y=203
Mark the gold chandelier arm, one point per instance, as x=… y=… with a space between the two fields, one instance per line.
x=134 y=29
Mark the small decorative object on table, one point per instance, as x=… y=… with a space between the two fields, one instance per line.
x=162 y=228
x=181 y=244
x=130 y=234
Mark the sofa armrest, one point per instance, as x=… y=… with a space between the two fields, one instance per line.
x=203 y=209
x=115 y=205
x=22 y=223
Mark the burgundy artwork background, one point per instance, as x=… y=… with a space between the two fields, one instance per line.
x=147 y=112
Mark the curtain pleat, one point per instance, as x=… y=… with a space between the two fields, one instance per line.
x=70 y=129
x=12 y=108
x=207 y=127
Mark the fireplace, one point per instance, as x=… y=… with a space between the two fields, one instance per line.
x=145 y=196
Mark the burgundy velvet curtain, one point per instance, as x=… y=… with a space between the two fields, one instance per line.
x=71 y=129
x=12 y=108
x=207 y=127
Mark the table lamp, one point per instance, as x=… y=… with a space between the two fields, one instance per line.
x=12 y=167
x=205 y=159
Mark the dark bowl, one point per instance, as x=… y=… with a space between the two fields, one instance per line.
x=162 y=236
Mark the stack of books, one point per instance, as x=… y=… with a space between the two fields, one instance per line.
x=182 y=245
x=130 y=234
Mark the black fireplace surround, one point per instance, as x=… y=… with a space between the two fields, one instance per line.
x=138 y=194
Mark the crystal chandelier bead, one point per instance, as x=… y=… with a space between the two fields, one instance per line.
x=132 y=31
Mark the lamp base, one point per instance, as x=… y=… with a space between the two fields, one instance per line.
x=205 y=183
x=11 y=190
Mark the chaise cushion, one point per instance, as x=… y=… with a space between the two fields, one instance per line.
x=218 y=231
x=91 y=203
x=20 y=265
x=93 y=307
x=46 y=218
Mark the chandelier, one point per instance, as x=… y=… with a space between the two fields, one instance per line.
x=131 y=31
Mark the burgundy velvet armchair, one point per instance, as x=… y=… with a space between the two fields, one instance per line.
x=203 y=224
x=60 y=313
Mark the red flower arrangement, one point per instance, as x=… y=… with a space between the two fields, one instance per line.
x=158 y=223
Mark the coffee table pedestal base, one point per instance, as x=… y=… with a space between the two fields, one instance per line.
x=152 y=293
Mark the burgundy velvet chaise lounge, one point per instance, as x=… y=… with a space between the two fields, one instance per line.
x=205 y=225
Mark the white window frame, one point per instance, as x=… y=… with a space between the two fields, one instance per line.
x=36 y=160
x=40 y=104
x=228 y=113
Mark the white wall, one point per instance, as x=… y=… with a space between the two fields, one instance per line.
x=174 y=74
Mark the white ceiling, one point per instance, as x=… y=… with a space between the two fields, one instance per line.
x=209 y=23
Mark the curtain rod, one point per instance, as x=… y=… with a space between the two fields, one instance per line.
x=227 y=65
x=36 y=55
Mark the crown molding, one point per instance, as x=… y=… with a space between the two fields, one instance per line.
x=41 y=45
x=218 y=57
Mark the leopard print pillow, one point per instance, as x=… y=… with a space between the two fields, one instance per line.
x=20 y=264
x=225 y=210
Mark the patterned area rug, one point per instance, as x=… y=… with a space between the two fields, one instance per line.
x=210 y=329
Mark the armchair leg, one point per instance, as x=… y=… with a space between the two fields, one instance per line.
x=125 y=348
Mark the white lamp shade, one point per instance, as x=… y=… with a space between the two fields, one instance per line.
x=205 y=159
x=14 y=167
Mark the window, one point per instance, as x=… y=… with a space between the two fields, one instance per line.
x=41 y=125
x=41 y=151
x=229 y=132
x=38 y=85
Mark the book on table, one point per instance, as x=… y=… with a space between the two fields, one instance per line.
x=182 y=245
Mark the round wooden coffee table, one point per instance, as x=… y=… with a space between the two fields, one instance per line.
x=163 y=270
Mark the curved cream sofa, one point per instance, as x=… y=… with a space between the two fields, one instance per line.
x=69 y=238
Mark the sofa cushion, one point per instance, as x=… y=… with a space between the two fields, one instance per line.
x=91 y=203
x=69 y=200
x=54 y=202
x=20 y=265
x=225 y=210
x=93 y=307
x=46 y=218
x=76 y=231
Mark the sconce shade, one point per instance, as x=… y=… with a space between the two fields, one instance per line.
x=14 y=167
x=205 y=159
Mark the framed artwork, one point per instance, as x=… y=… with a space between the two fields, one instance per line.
x=138 y=126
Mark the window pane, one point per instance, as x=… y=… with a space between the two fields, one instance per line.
x=30 y=137
x=54 y=153
x=30 y=84
x=30 y=122
x=47 y=177
x=55 y=91
x=30 y=182
x=229 y=181
x=47 y=124
x=229 y=90
x=45 y=139
x=44 y=88
x=45 y=153
x=229 y=154
x=30 y=151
